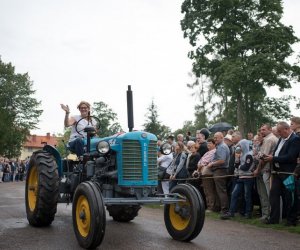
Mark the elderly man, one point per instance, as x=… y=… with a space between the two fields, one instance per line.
x=284 y=160
x=219 y=166
x=263 y=171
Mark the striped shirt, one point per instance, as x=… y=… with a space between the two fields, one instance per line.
x=207 y=157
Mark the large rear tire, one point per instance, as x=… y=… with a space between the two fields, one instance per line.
x=88 y=214
x=184 y=220
x=123 y=213
x=42 y=189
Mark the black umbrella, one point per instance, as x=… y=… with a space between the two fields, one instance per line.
x=219 y=127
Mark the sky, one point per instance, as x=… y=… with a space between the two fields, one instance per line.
x=92 y=50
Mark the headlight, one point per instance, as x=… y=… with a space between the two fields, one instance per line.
x=103 y=147
x=166 y=149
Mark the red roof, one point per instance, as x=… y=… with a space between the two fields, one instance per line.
x=39 y=141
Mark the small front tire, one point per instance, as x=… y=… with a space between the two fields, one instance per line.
x=184 y=220
x=88 y=213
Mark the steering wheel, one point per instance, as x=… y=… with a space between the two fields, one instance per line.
x=89 y=123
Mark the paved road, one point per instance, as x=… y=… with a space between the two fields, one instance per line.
x=147 y=231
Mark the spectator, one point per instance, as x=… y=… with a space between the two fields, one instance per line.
x=219 y=167
x=263 y=170
x=236 y=137
x=171 y=142
x=193 y=158
x=6 y=170
x=295 y=126
x=284 y=160
x=244 y=166
x=250 y=136
x=180 y=138
x=164 y=161
x=201 y=137
x=230 y=132
x=12 y=170
x=212 y=200
x=177 y=169
x=21 y=170
x=191 y=163
x=274 y=131
x=1 y=168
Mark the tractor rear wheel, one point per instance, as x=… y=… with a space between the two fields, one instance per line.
x=88 y=213
x=184 y=220
x=41 y=193
x=123 y=213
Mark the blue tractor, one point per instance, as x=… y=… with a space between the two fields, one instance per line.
x=118 y=173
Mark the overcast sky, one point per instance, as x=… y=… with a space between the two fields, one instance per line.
x=92 y=50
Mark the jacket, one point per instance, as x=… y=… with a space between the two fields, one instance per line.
x=287 y=157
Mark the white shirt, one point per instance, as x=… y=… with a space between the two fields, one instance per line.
x=280 y=145
x=80 y=127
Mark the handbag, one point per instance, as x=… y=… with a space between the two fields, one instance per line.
x=161 y=172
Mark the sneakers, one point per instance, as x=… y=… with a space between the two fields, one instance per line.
x=226 y=216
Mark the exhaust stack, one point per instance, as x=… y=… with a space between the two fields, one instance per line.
x=130 y=109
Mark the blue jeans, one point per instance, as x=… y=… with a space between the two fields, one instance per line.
x=242 y=185
x=77 y=146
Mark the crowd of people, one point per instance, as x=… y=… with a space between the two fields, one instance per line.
x=12 y=170
x=230 y=170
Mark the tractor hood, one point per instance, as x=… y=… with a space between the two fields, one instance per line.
x=116 y=140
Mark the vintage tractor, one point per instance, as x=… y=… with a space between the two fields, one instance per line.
x=117 y=172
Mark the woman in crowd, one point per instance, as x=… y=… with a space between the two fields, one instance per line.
x=191 y=164
x=177 y=169
x=212 y=201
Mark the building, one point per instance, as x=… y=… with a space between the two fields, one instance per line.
x=37 y=142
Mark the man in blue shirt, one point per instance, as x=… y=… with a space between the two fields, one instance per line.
x=219 y=166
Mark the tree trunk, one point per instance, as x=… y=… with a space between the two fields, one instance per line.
x=240 y=115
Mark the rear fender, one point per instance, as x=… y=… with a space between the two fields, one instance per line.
x=52 y=150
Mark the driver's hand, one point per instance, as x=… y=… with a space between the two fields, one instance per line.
x=65 y=108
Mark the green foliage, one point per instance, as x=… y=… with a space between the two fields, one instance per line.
x=153 y=125
x=19 y=110
x=242 y=47
x=108 y=119
x=63 y=139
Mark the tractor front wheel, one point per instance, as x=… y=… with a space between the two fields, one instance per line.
x=41 y=193
x=88 y=213
x=184 y=220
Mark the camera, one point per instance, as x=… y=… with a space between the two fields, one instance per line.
x=196 y=175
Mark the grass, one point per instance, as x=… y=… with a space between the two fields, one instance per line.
x=256 y=222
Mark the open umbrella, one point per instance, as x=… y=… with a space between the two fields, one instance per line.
x=219 y=127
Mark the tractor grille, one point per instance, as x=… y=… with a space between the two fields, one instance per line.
x=132 y=161
x=152 y=161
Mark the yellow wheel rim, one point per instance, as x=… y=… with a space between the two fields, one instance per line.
x=83 y=216
x=178 y=222
x=32 y=188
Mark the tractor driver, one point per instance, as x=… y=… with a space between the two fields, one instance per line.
x=76 y=143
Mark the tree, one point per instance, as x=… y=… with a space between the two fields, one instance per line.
x=242 y=47
x=108 y=119
x=153 y=125
x=62 y=141
x=19 y=110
